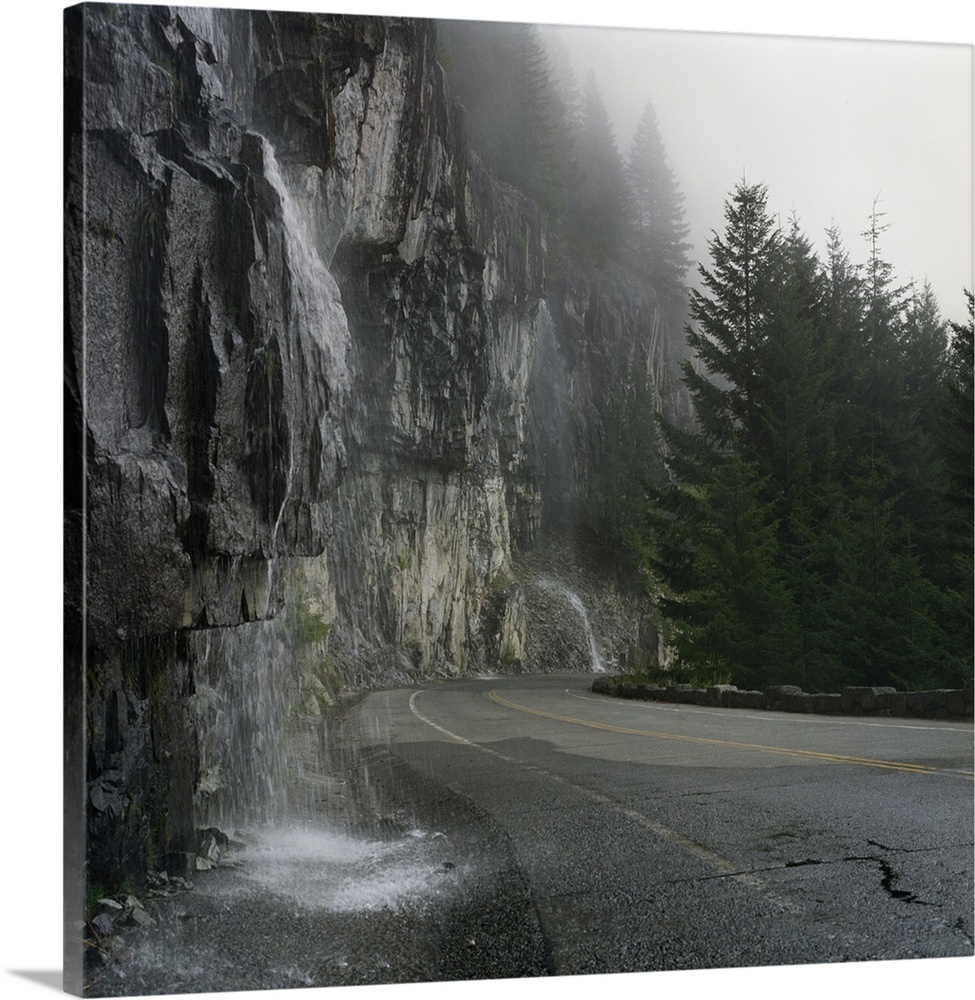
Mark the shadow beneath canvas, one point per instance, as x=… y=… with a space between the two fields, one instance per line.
x=52 y=978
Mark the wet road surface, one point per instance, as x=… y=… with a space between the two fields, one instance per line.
x=660 y=837
x=524 y=827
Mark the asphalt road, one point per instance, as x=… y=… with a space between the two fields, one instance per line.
x=656 y=836
x=524 y=827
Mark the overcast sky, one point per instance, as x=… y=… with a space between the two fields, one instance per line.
x=828 y=125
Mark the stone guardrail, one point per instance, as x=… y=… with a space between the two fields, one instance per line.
x=953 y=703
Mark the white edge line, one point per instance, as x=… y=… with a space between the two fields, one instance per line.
x=690 y=847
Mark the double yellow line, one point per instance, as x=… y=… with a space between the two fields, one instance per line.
x=835 y=758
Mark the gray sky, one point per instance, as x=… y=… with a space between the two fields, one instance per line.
x=828 y=125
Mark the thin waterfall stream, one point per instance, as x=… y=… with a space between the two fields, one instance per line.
x=281 y=808
x=596 y=658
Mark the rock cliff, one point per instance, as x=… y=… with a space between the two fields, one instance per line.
x=318 y=397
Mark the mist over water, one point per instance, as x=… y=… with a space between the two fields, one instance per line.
x=286 y=913
x=551 y=426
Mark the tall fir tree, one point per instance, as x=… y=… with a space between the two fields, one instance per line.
x=924 y=390
x=516 y=119
x=717 y=555
x=880 y=385
x=596 y=214
x=840 y=344
x=794 y=442
x=959 y=422
x=656 y=211
x=731 y=316
x=958 y=449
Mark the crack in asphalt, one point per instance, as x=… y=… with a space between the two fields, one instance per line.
x=889 y=874
x=919 y=850
x=887 y=883
x=880 y=860
x=959 y=925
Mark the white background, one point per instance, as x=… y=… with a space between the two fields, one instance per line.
x=30 y=367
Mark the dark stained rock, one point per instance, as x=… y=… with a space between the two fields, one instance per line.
x=312 y=364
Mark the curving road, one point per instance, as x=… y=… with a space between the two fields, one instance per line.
x=659 y=837
x=523 y=827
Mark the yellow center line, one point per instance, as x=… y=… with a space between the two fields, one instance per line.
x=496 y=697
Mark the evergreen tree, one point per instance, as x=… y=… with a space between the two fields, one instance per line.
x=879 y=384
x=958 y=448
x=791 y=436
x=794 y=442
x=840 y=344
x=884 y=385
x=516 y=119
x=656 y=210
x=885 y=609
x=924 y=356
x=564 y=79
x=596 y=213
x=731 y=611
x=630 y=464
x=960 y=427
x=731 y=316
x=546 y=139
x=718 y=524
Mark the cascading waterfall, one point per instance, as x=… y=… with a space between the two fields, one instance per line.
x=245 y=673
x=316 y=302
x=596 y=658
x=240 y=706
x=316 y=317
x=550 y=436
x=259 y=770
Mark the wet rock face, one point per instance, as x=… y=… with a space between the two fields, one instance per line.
x=301 y=338
x=292 y=267
x=311 y=370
